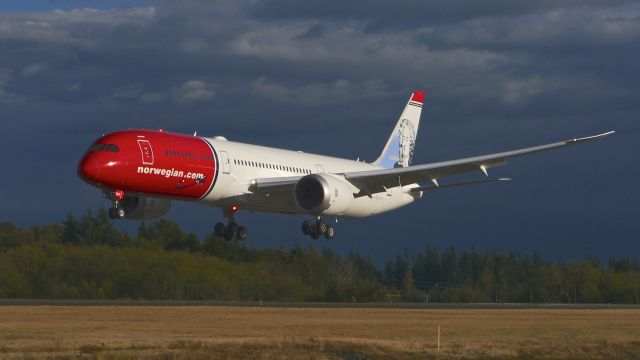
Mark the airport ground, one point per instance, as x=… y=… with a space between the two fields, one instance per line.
x=221 y=331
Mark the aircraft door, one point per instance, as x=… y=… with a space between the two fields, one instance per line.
x=226 y=164
x=320 y=168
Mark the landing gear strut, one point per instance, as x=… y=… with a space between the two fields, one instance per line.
x=116 y=211
x=232 y=231
x=317 y=229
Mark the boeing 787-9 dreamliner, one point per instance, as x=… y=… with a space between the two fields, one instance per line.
x=142 y=171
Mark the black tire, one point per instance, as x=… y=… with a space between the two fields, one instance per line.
x=307 y=227
x=120 y=213
x=330 y=232
x=112 y=213
x=321 y=228
x=232 y=231
x=314 y=235
x=242 y=233
x=218 y=230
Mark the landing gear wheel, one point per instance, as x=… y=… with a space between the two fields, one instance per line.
x=112 y=213
x=307 y=227
x=329 y=232
x=120 y=213
x=242 y=233
x=232 y=231
x=321 y=228
x=233 y=228
x=219 y=230
x=314 y=235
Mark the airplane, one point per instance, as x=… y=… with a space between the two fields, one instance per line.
x=142 y=171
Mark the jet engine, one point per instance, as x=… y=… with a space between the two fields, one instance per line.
x=323 y=194
x=144 y=208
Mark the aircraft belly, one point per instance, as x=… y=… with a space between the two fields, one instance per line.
x=379 y=203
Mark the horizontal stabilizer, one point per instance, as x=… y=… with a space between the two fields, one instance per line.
x=445 y=186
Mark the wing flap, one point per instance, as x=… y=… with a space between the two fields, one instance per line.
x=452 y=185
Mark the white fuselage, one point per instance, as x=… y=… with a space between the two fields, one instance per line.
x=241 y=164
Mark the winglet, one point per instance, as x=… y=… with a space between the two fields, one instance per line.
x=587 y=138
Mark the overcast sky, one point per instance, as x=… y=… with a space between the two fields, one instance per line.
x=332 y=77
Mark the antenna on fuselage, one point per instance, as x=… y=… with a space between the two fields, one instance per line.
x=195 y=133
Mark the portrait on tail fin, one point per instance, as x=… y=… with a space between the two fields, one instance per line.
x=407 y=135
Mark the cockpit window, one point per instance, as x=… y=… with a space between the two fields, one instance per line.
x=104 y=147
x=113 y=148
x=97 y=147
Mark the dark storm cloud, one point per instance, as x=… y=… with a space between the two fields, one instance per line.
x=106 y=54
x=328 y=77
x=383 y=15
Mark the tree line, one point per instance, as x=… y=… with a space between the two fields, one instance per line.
x=88 y=258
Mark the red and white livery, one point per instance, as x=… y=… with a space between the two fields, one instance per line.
x=142 y=171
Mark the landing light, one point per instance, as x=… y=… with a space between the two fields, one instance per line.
x=118 y=194
x=234 y=208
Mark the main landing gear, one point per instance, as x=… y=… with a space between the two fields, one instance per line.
x=116 y=211
x=232 y=231
x=317 y=229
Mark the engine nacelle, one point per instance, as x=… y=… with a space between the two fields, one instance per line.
x=144 y=208
x=323 y=194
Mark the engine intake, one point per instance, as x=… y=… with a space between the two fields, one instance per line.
x=322 y=194
x=312 y=193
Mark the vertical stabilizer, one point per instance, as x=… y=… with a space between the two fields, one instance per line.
x=399 y=148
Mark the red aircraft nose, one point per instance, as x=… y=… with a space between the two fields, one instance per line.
x=88 y=168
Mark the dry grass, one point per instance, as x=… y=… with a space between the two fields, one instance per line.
x=294 y=333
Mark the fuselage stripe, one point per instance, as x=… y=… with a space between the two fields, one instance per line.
x=216 y=170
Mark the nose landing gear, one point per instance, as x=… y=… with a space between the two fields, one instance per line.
x=116 y=211
x=318 y=229
x=232 y=231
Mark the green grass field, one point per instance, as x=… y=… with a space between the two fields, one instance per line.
x=104 y=332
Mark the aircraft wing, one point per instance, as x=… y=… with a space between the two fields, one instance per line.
x=375 y=181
